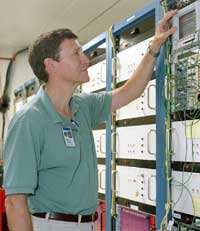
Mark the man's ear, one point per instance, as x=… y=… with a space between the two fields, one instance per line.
x=50 y=65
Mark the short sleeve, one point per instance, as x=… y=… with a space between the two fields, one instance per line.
x=100 y=107
x=22 y=157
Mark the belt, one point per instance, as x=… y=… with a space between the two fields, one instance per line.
x=67 y=217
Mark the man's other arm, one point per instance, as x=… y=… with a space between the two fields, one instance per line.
x=18 y=216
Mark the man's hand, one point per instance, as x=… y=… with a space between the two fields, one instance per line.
x=163 y=31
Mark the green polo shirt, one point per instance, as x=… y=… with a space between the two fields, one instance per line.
x=38 y=162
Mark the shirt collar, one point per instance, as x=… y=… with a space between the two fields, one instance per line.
x=50 y=109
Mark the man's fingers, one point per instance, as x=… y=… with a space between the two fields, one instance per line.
x=171 y=31
x=167 y=17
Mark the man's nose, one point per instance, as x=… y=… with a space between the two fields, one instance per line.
x=85 y=59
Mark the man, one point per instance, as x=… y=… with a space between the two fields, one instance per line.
x=50 y=171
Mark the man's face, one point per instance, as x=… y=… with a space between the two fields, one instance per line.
x=73 y=63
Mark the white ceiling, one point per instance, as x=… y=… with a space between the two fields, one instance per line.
x=22 y=20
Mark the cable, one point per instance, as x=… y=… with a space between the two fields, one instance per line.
x=8 y=73
x=114 y=85
x=168 y=127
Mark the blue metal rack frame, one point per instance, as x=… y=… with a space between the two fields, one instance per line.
x=160 y=131
x=138 y=16
x=94 y=43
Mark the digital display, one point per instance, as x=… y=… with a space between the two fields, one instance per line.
x=187 y=24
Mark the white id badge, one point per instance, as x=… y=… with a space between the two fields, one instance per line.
x=68 y=136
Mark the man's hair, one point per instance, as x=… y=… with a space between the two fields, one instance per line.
x=47 y=45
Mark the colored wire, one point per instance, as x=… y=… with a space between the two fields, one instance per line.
x=168 y=127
